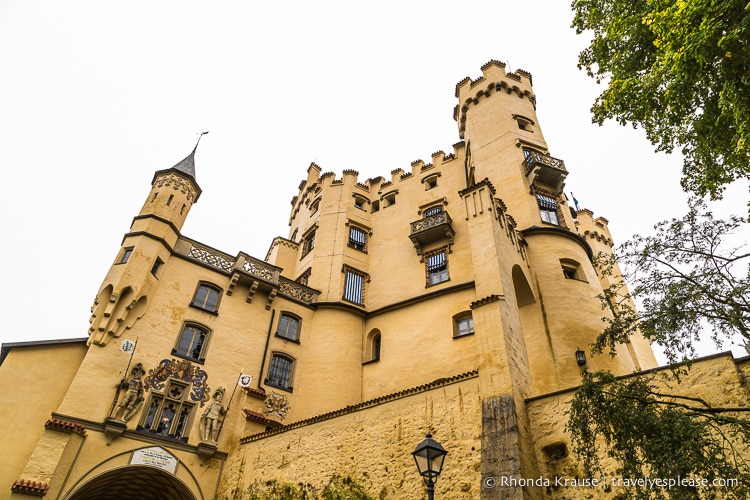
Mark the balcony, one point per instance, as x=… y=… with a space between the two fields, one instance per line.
x=545 y=170
x=431 y=229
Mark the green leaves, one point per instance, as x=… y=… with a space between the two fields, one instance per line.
x=681 y=71
x=651 y=432
x=687 y=280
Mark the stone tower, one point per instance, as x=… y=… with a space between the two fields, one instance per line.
x=125 y=292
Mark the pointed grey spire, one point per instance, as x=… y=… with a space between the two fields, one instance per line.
x=187 y=165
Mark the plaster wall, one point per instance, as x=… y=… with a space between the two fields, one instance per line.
x=33 y=381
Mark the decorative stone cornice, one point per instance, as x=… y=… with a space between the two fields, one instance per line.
x=57 y=424
x=486 y=300
x=27 y=487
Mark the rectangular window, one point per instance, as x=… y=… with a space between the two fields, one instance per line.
x=125 y=255
x=437 y=268
x=288 y=327
x=192 y=343
x=169 y=414
x=357 y=239
x=464 y=326
x=206 y=298
x=548 y=209
x=308 y=243
x=354 y=287
x=280 y=372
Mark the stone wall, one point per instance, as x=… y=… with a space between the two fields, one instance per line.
x=372 y=444
x=717 y=379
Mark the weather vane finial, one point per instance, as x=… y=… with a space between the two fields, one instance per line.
x=200 y=135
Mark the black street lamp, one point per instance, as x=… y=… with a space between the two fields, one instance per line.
x=429 y=456
x=580 y=357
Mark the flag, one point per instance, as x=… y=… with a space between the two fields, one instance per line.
x=244 y=380
x=127 y=346
x=575 y=202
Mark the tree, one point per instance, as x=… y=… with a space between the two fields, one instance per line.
x=686 y=279
x=694 y=449
x=680 y=70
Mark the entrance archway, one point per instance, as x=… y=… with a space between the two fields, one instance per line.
x=134 y=481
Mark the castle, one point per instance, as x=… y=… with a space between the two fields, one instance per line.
x=456 y=297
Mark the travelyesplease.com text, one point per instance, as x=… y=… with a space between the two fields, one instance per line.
x=490 y=482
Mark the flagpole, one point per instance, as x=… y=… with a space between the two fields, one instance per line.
x=119 y=384
x=226 y=412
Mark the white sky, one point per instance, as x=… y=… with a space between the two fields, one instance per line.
x=96 y=96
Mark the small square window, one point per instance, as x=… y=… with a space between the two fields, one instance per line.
x=206 y=297
x=359 y=202
x=125 y=255
x=572 y=270
x=463 y=325
x=357 y=239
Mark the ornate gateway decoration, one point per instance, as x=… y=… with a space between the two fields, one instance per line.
x=276 y=405
x=180 y=370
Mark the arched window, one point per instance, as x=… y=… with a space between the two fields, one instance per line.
x=463 y=324
x=288 y=327
x=206 y=297
x=372 y=346
x=192 y=342
x=281 y=372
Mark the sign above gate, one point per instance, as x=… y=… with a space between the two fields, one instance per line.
x=155 y=457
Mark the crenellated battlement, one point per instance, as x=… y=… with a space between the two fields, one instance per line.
x=593 y=228
x=494 y=79
x=317 y=180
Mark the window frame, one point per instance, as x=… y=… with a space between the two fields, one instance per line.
x=176 y=350
x=361 y=243
x=572 y=270
x=549 y=209
x=354 y=278
x=127 y=252
x=203 y=304
x=308 y=241
x=287 y=373
x=373 y=346
x=459 y=319
x=153 y=416
x=289 y=319
x=436 y=268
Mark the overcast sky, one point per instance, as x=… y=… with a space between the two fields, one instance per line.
x=96 y=96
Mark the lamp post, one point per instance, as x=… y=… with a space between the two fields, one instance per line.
x=429 y=456
x=580 y=357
